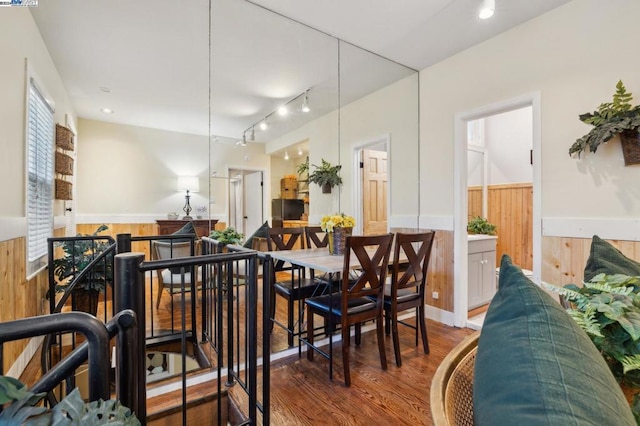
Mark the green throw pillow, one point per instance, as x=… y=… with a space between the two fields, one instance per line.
x=536 y=366
x=605 y=258
x=260 y=232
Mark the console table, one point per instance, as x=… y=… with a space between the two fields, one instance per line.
x=203 y=226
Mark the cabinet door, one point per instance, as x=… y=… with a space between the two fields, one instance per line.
x=488 y=275
x=475 y=278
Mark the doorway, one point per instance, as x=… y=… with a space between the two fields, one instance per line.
x=468 y=156
x=246 y=200
x=372 y=187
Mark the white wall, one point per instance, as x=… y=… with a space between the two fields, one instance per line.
x=128 y=174
x=573 y=56
x=391 y=111
x=509 y=139
x=20 y=39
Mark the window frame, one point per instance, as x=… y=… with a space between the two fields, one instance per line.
x=35 y=264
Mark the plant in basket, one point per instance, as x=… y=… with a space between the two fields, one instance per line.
x=338 y=226
x=618 y=117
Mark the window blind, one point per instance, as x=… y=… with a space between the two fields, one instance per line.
x=40 y=131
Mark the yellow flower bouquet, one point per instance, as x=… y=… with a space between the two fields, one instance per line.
x=341 y=220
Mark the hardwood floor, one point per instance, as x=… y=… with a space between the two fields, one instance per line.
x=302 y=394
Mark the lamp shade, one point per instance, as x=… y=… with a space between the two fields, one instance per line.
x=188 y=183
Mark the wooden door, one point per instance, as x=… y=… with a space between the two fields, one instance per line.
x=374 y=192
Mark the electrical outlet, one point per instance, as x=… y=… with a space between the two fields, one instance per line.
x=435 y=295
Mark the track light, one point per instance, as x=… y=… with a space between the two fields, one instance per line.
x=283 y=110
x=305 y=103
x=242 y=142
x=286 y=155
x=252 y=135
x=263 y=124
x=299 y=150
x=487 y=9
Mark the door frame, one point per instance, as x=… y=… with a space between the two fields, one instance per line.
x=266 y=194
x=357 y=178
x=460 y=247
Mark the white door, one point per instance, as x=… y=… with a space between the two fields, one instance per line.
x=253 y=202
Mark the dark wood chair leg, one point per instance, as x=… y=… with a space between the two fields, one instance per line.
x=290 y=327
x=423 y=329
x=345 y=355
x=272 y=297
x=310 y=334
x=358 y=333
x=396 y=341
x=381 y=349
x=387 y=322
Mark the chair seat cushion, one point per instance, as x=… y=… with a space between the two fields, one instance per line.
x=170 y=279
x=302 y=289
x=404 y=295
x=331 y=303
x=536 y=366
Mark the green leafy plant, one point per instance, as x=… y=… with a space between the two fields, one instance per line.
x=303 y=167
x=77 y=255
x=609 y=120
x=227 y=236
x=25 y=408
x=608 y=309
x=326 y=174
x=480 y=225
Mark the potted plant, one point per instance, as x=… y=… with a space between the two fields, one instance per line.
x=227 y=236
x=608 y=309
x=303 y=168
x=25 y=408
x=77 y=255
x=618 y=117
x=326 y=176
x=480 y=225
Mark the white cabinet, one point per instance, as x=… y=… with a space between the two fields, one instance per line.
x=481 y=269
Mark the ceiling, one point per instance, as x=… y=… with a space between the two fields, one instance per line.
x=150 y=61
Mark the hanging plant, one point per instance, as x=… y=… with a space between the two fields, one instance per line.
x=326 y=176
x=618 y=117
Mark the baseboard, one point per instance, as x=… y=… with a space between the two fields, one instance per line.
x=439 y=315
x=25 y=357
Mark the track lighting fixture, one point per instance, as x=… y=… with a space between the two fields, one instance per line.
x=487 y=9
x=263 y=124
x=305 y=103
x=299 y=150
x=286 y=155
x=252 y=135
x=283 y=110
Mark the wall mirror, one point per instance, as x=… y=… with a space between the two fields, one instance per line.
x=360 y=104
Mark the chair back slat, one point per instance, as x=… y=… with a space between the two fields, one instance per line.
x=413 y=273
x=373 y=256
x=313 y=237
x=283 y=239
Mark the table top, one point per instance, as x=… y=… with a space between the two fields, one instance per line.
x=319 y=259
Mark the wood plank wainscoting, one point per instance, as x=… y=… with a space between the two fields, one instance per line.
x=563 y=259
x=19 y=297
x=510 y=208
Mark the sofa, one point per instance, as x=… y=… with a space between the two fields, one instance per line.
x=531 y=364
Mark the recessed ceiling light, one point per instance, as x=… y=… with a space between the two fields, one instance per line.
x=487 y=9
x=107 y=110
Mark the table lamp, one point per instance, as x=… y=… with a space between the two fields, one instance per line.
x=189 y=184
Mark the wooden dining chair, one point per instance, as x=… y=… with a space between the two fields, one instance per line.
x=407 y=287
x=315 y=237
x=360 y=298
x=298 y=287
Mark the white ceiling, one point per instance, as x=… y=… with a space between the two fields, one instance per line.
x=153 y=55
